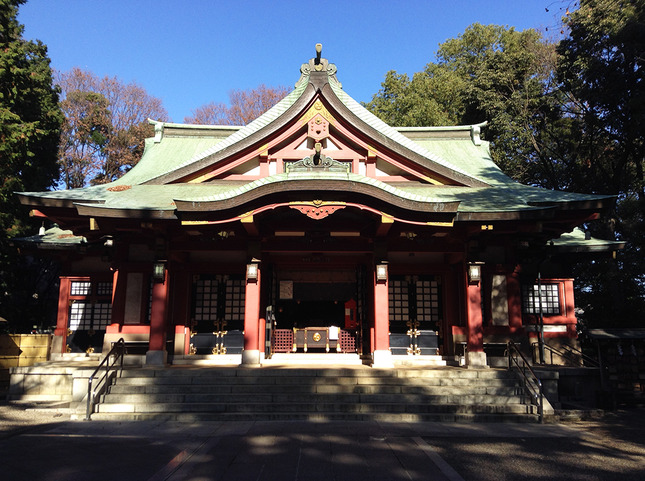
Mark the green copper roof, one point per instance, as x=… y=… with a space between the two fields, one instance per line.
x=578 y=241
x=376 y=123
x=177 y=146
x=184 y=151
x=465 y=155
x=160 y=157
x=502 y=198
x=52 y=238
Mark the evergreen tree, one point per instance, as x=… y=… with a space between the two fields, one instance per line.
x=567 y=117
x=30 y=120
x=489 y=73
x=602 y=70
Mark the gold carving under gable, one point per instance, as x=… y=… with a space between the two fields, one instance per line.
x=317 y=109
x=318 y=127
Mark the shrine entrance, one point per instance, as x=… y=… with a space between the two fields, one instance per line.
x=217 y=314
x=316 y=311
x=416 y=315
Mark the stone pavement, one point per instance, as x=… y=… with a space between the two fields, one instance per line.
x=39 y=445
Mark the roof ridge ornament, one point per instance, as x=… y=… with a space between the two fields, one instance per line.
x=317 y=161
x=318 y=64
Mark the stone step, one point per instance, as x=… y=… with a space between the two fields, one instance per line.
x=313 y=407
x=355 y=393
x=213 y=389
x=266 y=373
x=318 y=417
x=314 y=381
x=468 y=399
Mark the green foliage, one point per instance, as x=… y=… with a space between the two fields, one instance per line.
x=601 y=67
x=489 y=73
x=602 y=71
x=408 y=103
x=30 y=119
x=567 y=116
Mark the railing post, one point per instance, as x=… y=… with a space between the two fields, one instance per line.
x=89 y=395
x=541 y=407
x=117 y=349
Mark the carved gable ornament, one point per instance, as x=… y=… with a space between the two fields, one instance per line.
x=318 y=161
x=317 y=110
x=318 y=128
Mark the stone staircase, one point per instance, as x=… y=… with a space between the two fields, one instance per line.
x=182 y=393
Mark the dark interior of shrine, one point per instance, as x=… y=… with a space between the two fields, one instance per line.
x=315 y=305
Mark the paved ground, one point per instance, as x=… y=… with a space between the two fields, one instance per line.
x=36 y=445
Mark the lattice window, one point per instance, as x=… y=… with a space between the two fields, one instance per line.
x=102 y=313
x=104 y=288
x=91 y=307
x=398 y=300
x=206 y=300
x=80 y=314
x=428 y=300
x=81 y=288
x=235 y=296
x=548 y=296
x=85 y=315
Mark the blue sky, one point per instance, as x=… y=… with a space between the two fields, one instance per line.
x=191 y=52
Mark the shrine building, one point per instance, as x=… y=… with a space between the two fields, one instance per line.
x=315 y=228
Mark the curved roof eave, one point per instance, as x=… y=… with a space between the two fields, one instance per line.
x=287 y=110
x=322 y=184
x=397 y=141
x=243 y=137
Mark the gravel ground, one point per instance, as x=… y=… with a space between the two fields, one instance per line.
x=16 y=417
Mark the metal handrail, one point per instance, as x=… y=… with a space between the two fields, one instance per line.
x=532 y=383
x=587 y=361
x=118 y=350
x=567 y=351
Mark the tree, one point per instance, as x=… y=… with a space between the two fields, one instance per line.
x=105 y=127
x=85 y=133
x=566 y=116
x=30 y=120
x=430 y=98
x=245 y=106
x=602 y=70
x=488 y=73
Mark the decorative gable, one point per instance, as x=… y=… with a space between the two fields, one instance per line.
x=317 y=131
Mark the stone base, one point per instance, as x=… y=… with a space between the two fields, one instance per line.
x=250 y=357
x=382 y=359
x=476 y=359
x=156 y=358
x=58 y=346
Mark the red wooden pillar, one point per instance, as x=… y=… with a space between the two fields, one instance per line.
x=181 y=311
x=513 y=289
x=59 y=343
x=475 y=357
x=381 y=354
x=157 y=354
x=251 y=352
x=113 y=330
x=119 y=280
